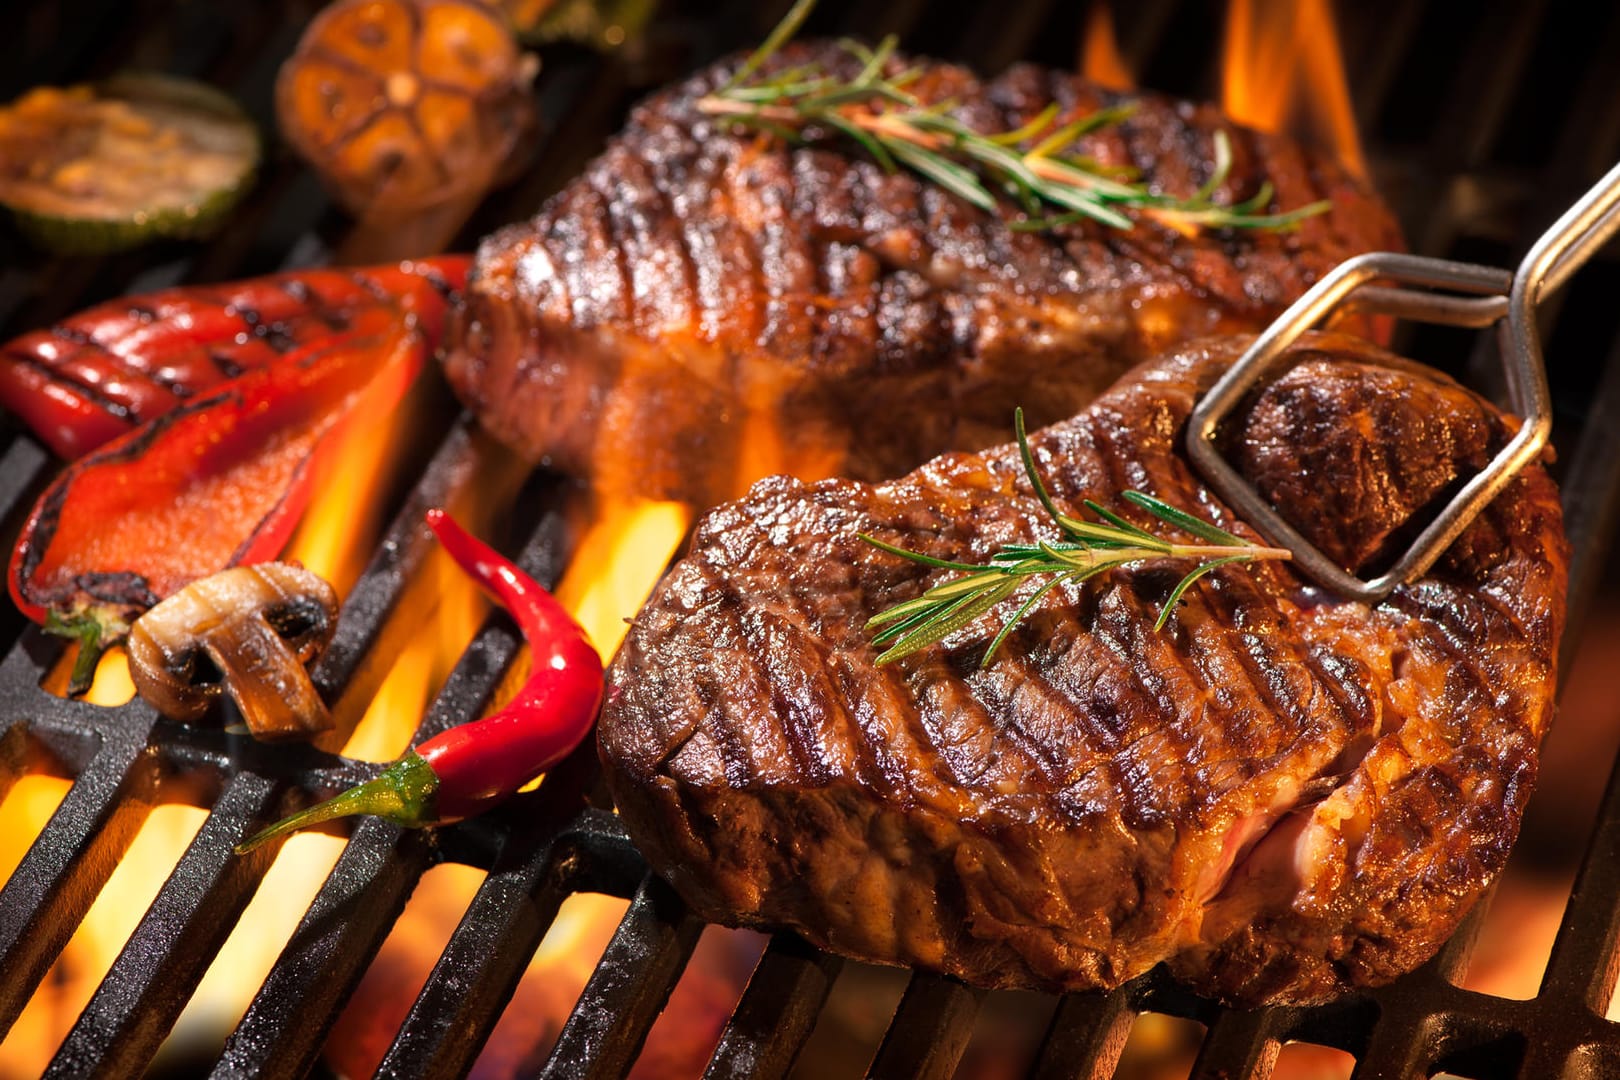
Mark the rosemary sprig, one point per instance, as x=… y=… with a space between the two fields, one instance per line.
x=1090 y=548
x=1032 y=164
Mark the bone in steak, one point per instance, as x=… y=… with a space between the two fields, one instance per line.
x=1281 y=795
x=705 y=306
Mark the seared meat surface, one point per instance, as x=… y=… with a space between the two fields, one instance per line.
x=706 y=306
x=1281 y=795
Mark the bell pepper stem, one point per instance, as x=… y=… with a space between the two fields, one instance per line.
x=402 y=793
x=94 y=629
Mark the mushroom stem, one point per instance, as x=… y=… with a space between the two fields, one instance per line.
x=266 y=679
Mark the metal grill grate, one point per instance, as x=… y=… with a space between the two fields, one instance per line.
x=1482 y=125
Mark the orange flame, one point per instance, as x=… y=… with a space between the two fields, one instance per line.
x=617 y=562
x=95 y=944
x=425 y=661
x=340 y=529
x=338 y=533
x=343 y=520
x=1100 y=59
x=618 y=559
x=1285 y=72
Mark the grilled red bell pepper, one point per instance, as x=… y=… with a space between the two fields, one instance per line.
x=466 y=770
x=217 y=482
x=115 y=366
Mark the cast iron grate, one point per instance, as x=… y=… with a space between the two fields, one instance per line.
x=1482 y=125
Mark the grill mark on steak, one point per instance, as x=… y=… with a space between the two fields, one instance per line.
x=657 y=265
x=1268 y=669
x=711 y=305
x=1282 y=795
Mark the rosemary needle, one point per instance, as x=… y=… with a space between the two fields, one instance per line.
x=1090 y=548
x=1054 y=187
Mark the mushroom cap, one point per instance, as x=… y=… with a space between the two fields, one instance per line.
x=248 y=631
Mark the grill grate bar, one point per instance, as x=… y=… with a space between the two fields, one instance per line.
x=1451 y=962
x=1564 y=1052
x=326 y=957
x=370 y=633
x=1240 y=1044
x=1585 y=960
x=154 y=976
x=1085 y=1037
x=24 y=467
x=1428 y=1024
x=1397 y=1049
x=778 y=1010
x=627 y=990
x=1591 y=497
x=930 y=1029
x=539 y=866
x=285 y=1026
x=544 y=858
x=479 y=969
x=48 y=894
x=542 y=845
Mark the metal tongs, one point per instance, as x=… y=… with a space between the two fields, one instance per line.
x=1489 y=296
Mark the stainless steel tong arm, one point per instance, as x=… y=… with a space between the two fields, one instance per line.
x=1406 y=286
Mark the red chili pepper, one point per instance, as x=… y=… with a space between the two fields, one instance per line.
x=120 y=364
x=217 y=482
x=466 y=770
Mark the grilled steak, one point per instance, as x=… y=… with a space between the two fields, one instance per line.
x=1281 y=795
x=705 y=306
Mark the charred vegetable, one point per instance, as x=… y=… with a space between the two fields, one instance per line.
x=217 y=482
x=248 y=631
x=601 y=24
x=471 y=767
x=92 y=169
x=107 y=370
x=403 y=105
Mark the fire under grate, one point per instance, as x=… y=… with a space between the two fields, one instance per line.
x=1481 y=126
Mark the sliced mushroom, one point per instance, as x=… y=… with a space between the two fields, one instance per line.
x=248 y=630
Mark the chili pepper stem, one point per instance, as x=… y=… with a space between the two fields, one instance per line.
x=94 y=629
x=402 y=793
x=464 y=770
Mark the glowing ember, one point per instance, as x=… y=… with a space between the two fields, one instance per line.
x=1100 y=59
x=1284 y=72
